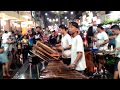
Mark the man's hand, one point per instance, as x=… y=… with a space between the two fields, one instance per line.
x=72 y=66
x=118 y=49
x=54 y=48
x=98 y=46
x=1 y=50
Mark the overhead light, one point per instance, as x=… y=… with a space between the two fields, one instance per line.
x=50 y=20
x=71 y=13
x=52 y=11
x=65 y=17
x=57 y=11
x=56 y=19
x=46 y=14
x=47 y=18
x=65 y=11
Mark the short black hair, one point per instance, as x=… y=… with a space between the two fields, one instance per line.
x=38 y=27
x=53 y=31
x=100 y=26
x=115 y=27
x=74 y=24
x=63 y=27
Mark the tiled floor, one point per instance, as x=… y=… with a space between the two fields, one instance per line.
x=24 y=72
x=14 y=69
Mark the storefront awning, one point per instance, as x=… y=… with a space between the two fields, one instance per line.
x=11 y=15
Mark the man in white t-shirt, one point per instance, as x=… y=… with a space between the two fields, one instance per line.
x=65 y=45
x=116 y=30
x=77 y=50
x=5 y=38
x=102 y=38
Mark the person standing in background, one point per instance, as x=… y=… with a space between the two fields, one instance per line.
x=4 y=56
x=116 y=31
x=111 y=39
x=39 y=34
x=102 y=38
x=90 y=36
x=25 y=47
x=53 y=39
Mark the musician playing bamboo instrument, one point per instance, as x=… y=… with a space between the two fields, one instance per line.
x=65 y=45
x=77 y=49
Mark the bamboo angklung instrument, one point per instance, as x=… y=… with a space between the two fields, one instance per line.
x=45 y=51
x=55 y=68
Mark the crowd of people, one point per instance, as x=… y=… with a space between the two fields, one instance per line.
x=71 y=42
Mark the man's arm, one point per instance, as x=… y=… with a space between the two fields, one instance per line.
x=57 y=45
x=79 y=46
x=112 y=37
x=79 y=56
x=106 y=39
x=105 y=42
x=1 y=50
x=67 y=48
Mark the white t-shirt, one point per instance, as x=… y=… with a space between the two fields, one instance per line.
x=65 y=42
x=77 y=46
x=101 y=37
x=117 y=40
x=5 y=37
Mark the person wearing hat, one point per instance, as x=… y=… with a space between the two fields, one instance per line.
x=77 y=49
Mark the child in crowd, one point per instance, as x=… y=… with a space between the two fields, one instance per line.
x=25 y=50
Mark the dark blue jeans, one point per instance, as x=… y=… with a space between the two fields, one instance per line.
x=25 y=54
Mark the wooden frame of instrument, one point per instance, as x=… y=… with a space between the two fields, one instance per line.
x=43 y=55
x=38 y=56
x=47 y=50
x=45 y=47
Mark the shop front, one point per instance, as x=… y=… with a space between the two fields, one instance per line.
x=7 y=20
x=11 y=20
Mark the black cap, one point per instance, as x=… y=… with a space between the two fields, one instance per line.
x=74 y=24
x=115 y=27
x=62 y=26
x=100 y=26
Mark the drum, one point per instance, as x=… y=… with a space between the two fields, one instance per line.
x=89 y=62
x=101 y=58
